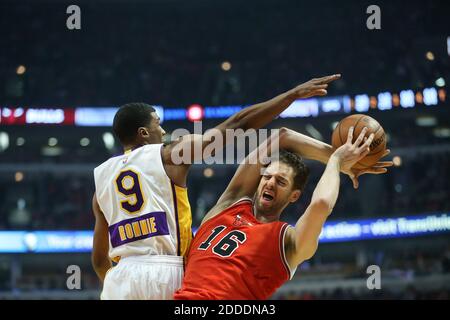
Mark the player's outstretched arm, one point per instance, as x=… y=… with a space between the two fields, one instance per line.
x=301 y=242
x=253 y=117
x=258 y=115
x=99 y=256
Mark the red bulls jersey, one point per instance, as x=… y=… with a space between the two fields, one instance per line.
x=234 y=256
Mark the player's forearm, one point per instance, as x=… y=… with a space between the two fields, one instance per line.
x=310 y=224
x=258 y=115
x=305 y=146
x=327 y=190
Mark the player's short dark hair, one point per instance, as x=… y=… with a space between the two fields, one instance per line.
x=129 y=118
x=300 y=168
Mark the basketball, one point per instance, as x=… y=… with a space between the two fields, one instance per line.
x=359 y=121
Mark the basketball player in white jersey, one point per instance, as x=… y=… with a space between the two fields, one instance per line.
x=142 y=212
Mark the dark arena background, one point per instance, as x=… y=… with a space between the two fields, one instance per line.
x=204 y=61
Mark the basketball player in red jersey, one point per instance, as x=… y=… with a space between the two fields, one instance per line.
x=242 y=250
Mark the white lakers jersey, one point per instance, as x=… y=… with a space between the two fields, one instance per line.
x=146 y=212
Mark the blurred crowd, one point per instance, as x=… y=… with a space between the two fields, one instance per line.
x=173 y=54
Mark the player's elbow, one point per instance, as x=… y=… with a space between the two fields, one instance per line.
x=283 y=132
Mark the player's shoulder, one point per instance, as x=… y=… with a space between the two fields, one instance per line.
x=107 y=163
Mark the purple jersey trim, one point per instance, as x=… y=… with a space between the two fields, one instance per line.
x=160 y=222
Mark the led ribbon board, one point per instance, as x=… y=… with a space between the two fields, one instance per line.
x=333 y=231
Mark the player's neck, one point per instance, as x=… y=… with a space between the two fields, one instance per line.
x=131 y=147
x=266 y=218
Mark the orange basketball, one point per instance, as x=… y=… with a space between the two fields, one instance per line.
x=359 y=121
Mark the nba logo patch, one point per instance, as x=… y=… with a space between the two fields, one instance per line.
x=125 y=160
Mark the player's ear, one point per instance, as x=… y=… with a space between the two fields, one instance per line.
x=143 y=132
x=295 y=195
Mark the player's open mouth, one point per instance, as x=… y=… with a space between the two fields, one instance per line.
x=267 y=196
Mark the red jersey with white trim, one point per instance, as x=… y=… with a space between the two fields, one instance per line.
x=233 y=256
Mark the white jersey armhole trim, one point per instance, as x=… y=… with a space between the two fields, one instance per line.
x=283 y=252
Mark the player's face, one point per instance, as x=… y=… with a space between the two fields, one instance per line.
x=156 y=132
x=276 y=189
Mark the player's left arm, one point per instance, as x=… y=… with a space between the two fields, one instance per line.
x=180 y=154
x=99 y=256
x=301 y=242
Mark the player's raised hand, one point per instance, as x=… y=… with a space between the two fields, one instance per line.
x=351 y=152
x=314 y=87
x=379 y=168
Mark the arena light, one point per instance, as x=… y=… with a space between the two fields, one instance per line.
x=331 y=105
x=51 y=151
x=419 y=97
x=4 y=141
x=95 y=117
x=430 y=56
x=362 y=103
x=18 y=176
x=6 y=112
x=448 y=45
x=18 y=112
x=442 y=95
x=347 y=104
x=20 y=141
x=21 y=70
x=208 y=172
x=44 y=116
x=395 y=100
x=108 y=140
x=440 y=82
x=442 y=133
x=195 y=113
x=226 y=66
x=426 y=121
x=84 y=142
x=174 y=114
x=52 y=141
x=407 y=99
x=385 y=101
x=13 y=116
x=397 y=160
x=302 y=109
x=430 y=96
